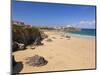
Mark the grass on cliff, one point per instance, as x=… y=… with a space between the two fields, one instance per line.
x=20 y=28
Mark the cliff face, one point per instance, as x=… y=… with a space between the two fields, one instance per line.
x=25 y=35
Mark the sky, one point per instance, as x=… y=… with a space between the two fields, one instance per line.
x=52 y=14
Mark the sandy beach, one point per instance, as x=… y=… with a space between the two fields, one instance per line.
x=61 y=53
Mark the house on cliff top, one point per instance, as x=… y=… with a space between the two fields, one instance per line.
x=18 y=23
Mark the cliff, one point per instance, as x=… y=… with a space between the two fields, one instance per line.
x=25 y=35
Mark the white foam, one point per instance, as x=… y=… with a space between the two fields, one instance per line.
x=79 y=35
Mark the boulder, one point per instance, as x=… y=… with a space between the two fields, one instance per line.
x=36 y=61
x=43 y=35
x=68 y=37
x=21 y=46
x=16 y=66
x=15 y=46
x=39 y=60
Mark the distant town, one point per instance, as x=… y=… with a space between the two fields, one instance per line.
x=63 y=28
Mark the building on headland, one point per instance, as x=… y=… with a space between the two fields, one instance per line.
x=68 y=28
x=57 y=27
x=18 y=23
x=28 y=26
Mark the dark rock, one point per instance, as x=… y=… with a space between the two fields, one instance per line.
x=26 y=36
x=36 y=61
x=16 y=66
x=68 y=37
x=37 y=41
x=13 y=61
x=15 y=46
x=21 y=46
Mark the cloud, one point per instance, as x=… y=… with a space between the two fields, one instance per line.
x=87 y=22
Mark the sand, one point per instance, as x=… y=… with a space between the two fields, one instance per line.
x=61 y=53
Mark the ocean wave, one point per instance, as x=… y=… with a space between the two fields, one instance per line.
x=80 y=35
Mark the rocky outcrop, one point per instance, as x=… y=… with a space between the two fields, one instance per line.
x=36 y=61
x=26 y=36
x=19 y=46
x=43 y=35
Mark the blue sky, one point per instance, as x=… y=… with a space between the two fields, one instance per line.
x=47 y=14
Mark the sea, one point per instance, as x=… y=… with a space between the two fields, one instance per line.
x=83 y=33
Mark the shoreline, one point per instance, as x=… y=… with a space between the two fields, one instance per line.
x=80 y=35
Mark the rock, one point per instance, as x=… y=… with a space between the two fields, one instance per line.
x=36 y=61
x=21 y=46
x=16 y=66
x=26 y=36
x=54 y=37
x=15 y=46
x=43 y=35
x=49 y=40
x=37 y=41
x=68 y=37
x=13 y=61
